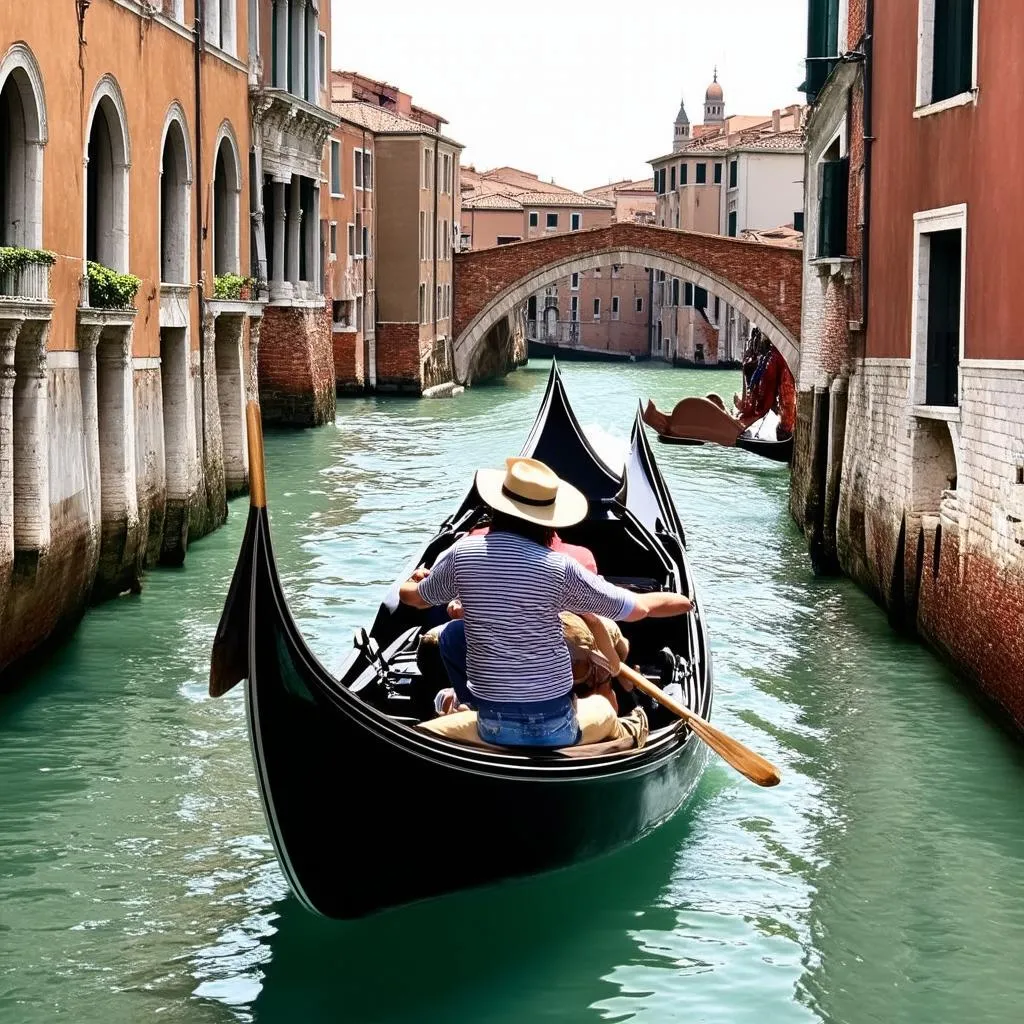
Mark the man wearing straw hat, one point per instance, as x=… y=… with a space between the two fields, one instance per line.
x=512 y=588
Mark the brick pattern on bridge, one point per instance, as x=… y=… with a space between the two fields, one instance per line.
x=771 y=276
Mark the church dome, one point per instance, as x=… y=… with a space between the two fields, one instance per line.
x=714 y=93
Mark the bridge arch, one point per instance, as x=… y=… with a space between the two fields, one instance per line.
x=762 y=282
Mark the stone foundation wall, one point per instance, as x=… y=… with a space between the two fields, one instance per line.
x=946 y=562
x=296 y=366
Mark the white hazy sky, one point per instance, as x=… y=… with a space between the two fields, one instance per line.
x=579 y=92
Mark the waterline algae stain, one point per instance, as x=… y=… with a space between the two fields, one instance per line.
x=881 y=882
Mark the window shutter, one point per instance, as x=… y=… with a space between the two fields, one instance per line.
x=733 y=173
x=835 y=180
x=822 y=41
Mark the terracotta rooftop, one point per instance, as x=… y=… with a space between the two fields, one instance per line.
x=522 y=187
x=492 y=201
x=785 y=236
x=646 y=185
x=742 y=131
x=383 y=122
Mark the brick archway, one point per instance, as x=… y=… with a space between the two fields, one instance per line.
x=763 y=282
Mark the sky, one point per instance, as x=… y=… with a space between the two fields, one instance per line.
x=584 y=93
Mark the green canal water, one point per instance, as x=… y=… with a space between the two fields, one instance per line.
x=882 y=882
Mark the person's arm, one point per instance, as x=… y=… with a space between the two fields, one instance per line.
x=426 y=588
x=659 y=605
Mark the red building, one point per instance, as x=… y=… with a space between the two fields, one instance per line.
x=909 y=473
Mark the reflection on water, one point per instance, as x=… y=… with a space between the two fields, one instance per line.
x=880 y=882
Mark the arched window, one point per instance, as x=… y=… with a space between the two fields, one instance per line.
x=22 y=137
x=106 y=202
x=226 y=189
x=175 y=188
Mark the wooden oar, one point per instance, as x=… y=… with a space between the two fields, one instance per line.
x=742 y=758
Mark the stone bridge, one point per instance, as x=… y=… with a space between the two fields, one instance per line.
x=763 y=282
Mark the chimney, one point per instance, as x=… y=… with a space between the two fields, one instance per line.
x=776 y=121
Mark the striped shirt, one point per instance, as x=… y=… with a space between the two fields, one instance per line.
x=511 y=591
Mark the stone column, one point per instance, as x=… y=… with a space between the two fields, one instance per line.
x=836 y=335
x=88 y=339
x=312 y=56
x=252 y=380
x=231 y=400
x=31 y=459
x=8 y=339
x=281 y=49
x=280 y=228
x=213 y=462
x=294 y=224
x=312 y=218
x=298 y=39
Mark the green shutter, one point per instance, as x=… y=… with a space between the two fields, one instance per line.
x=833 y=207
x=822 y=41
x=672 y=179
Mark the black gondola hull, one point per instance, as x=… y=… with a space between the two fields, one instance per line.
x=366 y=811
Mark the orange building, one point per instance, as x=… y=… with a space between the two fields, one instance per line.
x=124 y=143
x=410 y=231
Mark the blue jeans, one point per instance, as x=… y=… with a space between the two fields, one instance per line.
x=537 y=723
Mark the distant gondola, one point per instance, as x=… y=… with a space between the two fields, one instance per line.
x=366 y=811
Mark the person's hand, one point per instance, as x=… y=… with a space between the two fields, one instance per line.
x=455 y=609
x=419 y=574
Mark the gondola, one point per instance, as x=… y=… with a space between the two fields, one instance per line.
x=365 y=811
x=699 y=421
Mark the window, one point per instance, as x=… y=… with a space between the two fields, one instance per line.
x=717 y=308
x=357 y=173
x=597 y=309
x=367 y=170
x=672 y=179
x=597 y=272
x=822 y=42
x=552 y=221
x=437 y=302
x=675 y=292
x=447 y=300
x=533 y=218
x=360 y=236
x=423 y=303
x=616 y=269
x=333 y=248
x=428 y=168
x=798 y=220
x=575 y=221
x=335 y=167
x=683 y=168
x=446 y=249
x=423 y=235
x=947 y=47
x=352 y=240
x=938 y=325
x=733 y=173
x=508 y=239
x=702 y=174
x=718 y=173
x=615 y=307
x=446 y=173
x=574 y=282
x=732 y=224
x=574 y=308
x=366 y=242
x=700 y=297
x=531 y=308
x=322 y=59
x=639 y=305
x=688 y=295
x=833 y=207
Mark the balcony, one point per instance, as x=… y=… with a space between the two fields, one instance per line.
x=293 y=132
x=553 y=332
x=24 y=287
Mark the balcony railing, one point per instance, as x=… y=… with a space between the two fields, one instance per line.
x=556 y=332
x=30 y=283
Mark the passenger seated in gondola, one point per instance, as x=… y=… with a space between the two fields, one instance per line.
x=512 y=587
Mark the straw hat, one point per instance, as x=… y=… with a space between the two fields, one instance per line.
x=529 y=490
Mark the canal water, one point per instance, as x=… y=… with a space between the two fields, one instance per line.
x=882 y=882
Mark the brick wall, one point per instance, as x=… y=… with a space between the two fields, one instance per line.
x=296 y=366
x=953 y=569
x=399 y=362
x=349 y=361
